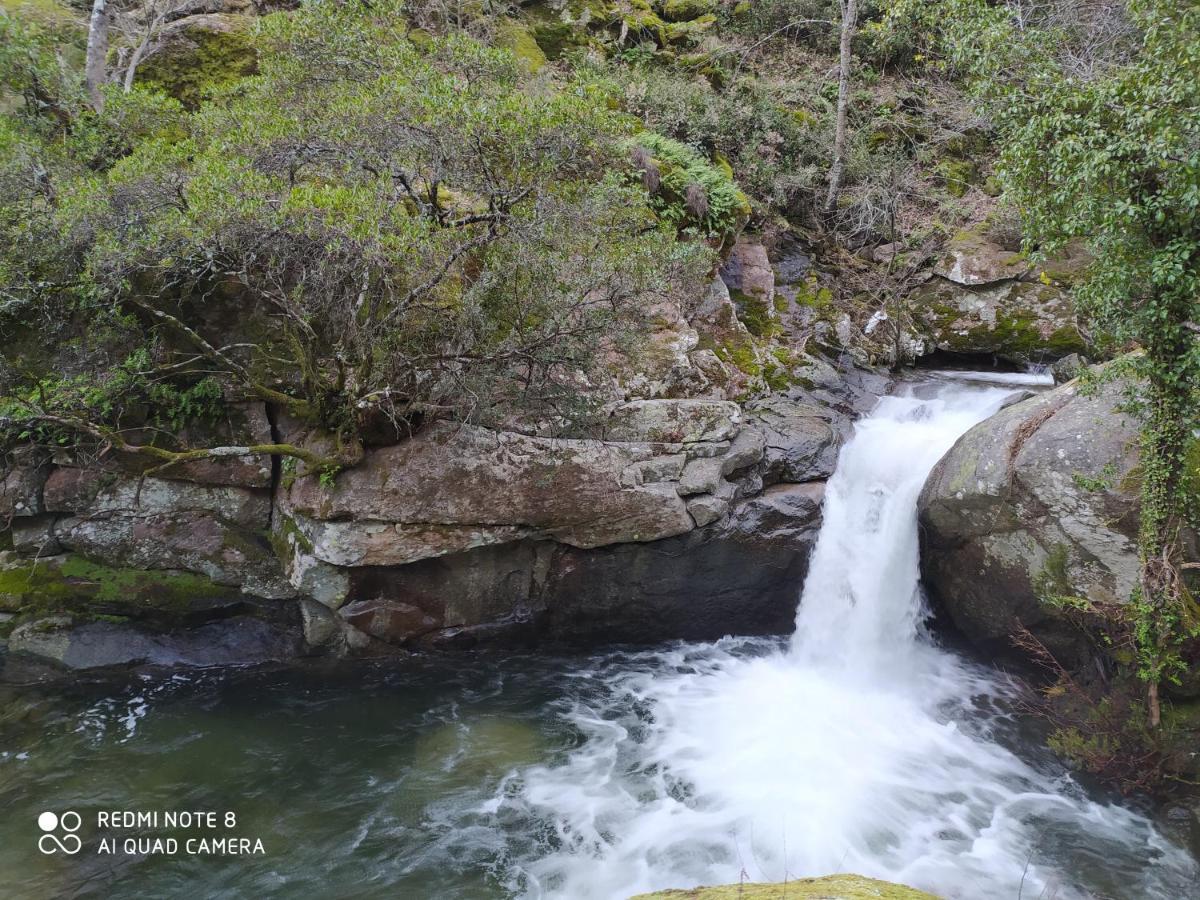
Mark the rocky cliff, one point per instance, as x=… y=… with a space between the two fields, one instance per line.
x=683 y=518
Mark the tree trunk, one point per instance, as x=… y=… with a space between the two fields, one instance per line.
x=138 y=53
x=849 y=23
x=97 y=53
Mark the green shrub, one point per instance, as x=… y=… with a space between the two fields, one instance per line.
x=686 y=190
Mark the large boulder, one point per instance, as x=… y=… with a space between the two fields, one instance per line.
x=739 y=575
x=1032 y=507
x=986 y=298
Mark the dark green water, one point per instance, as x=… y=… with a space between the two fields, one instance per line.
x=456 y=778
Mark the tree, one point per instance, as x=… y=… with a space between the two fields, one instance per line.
x=1101 y=143
x=95 y=65
x=849 y=9
x=369 y=235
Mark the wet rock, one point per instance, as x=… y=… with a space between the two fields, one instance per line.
x=800 y=441
x=388 y=620
x=1038 y=501
x=239 y=640
x=320 y=626
x=707 y=509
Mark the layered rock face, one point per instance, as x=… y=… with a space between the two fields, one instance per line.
x=1034 y=506
x=681 y=519
x=661 y=530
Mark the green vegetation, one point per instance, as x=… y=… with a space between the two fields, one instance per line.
x=1101 y=143
x=686 y=190
x=366 y=230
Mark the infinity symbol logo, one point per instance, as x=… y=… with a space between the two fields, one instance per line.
x=69 y=843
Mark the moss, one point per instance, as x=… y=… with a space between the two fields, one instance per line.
x=687 y=10
x=831 y=887
x=1014 y=334
x=736 y=349
x=420 y=38
x=1054 y=580
x=804 y=118
x=519 y=40
x=755 y=314
x=287 y=534
x=643 y=22
x=958 y=175
x=199 y=61
x=812 y=295
x=554 y=37
x=688 y=33
x=779 y=370
x=80 y=587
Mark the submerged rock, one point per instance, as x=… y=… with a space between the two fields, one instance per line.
x=831 y=887
x=239 y=640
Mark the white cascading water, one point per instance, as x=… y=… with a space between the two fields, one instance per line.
x=864 y=747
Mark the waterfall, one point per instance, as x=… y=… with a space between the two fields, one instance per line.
x=862 y=746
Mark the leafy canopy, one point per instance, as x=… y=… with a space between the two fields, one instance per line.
x=367 y=231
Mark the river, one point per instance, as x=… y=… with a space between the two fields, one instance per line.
x=862 y=744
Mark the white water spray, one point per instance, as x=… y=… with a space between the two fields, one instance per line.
x=862 y=748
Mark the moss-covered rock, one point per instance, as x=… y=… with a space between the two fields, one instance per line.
x=988 y=298
x=519 y=40
x=688 y=33
x=687 y=10
x=72 y=585
x=210 y=54
x=831 y=887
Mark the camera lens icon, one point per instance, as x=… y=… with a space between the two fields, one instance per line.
x=50 y=842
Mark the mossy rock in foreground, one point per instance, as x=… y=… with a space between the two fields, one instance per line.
x=831 y=887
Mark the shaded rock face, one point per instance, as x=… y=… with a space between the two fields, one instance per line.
x=1038 y=501
x=686 y=518
x=739 y=575
x=463 y=536
x=984 y=298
